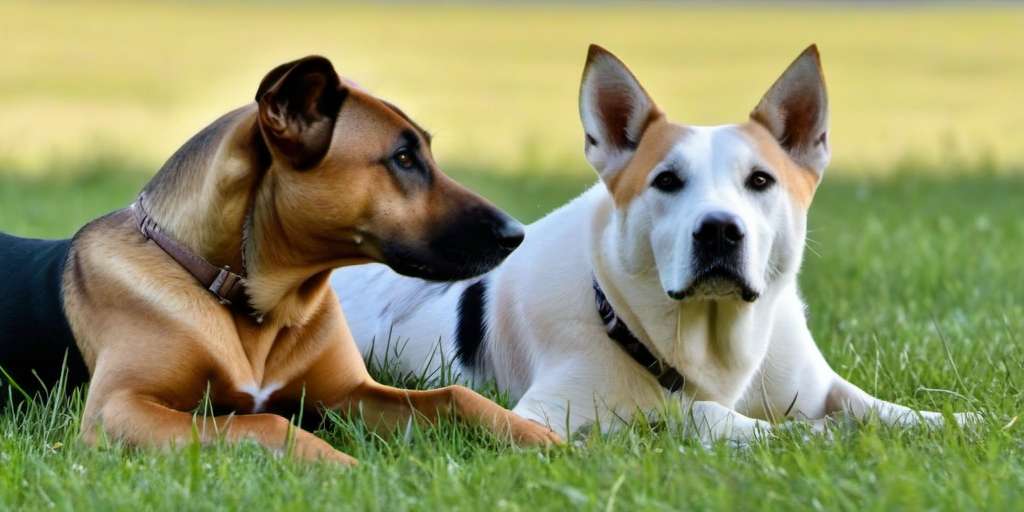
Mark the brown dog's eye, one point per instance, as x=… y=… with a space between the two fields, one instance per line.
x=404 y=159
x=760 y=181
x=667 y=181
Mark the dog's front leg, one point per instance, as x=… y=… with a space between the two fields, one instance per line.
x=388 y=408
x=796 y=381
x=569 y=409
x=566 y=412
x=339 y=381
x=712 y=421
x=145 y=422
x=845 y=398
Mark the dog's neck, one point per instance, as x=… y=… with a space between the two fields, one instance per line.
x=716 y=345
x=288 y=268
x=204 y=193
x=216 y=196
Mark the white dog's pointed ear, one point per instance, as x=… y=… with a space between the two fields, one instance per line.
x=795 y=111
x=615 y=110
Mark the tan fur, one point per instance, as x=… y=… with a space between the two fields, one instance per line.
x=659 y=137
x=155 y=341
x=800 y=183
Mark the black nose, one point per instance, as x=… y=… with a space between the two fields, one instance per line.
x=719 y=232
x=509 y=234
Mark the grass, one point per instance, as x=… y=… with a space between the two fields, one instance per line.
x=498 y=83
x=915 y=288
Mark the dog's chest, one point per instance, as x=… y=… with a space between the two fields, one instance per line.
x=247 y=398
x=717 y=351
x=260 y=395
x=254 y=376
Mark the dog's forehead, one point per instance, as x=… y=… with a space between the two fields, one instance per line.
x=710 y=149
x=690 y=148
x=384 y=114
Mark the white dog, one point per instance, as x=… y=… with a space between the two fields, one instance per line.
x=675 y=278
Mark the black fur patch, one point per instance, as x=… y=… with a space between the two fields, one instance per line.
x=34 y=331
x=471 y=327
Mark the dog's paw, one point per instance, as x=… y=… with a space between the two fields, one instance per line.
x=530 y=433
x=736 y=438
x=735 y=442
x=969 y=419
x=808 y=429
x=963 y=419
x=340 y=458
x=310 y=448
x=822 y=426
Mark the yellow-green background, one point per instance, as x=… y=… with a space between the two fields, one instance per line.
x=939 y=86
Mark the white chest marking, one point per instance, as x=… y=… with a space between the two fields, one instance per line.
x=260 y=395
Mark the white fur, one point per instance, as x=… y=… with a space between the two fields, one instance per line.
x=746 y=364
x=547 y=347
x=260 y=395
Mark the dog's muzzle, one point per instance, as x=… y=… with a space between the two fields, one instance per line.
x=717 y=259
x=473 y=242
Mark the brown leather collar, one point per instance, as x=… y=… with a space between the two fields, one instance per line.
x=227 y=286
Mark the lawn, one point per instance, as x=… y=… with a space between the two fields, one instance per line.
x=914 y=275
x=914 y=285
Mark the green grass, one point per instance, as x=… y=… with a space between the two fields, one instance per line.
x=915 y=290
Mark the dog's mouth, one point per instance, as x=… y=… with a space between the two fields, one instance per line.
x=449 y=265
x=717 y=282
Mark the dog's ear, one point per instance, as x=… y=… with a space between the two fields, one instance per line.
x=615 y=110
x=298 y=105
x=795 y=111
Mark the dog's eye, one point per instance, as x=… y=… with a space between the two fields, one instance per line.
x=404 y=159
x=760 y=181
x=667 y=181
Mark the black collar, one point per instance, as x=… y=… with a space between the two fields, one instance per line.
x=617 y=330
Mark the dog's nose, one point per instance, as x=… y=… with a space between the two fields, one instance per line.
x=719 y=231
x=509 y=234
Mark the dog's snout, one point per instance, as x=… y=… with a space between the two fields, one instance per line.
x=509 y=234
x=719 y=232
x=470 y=242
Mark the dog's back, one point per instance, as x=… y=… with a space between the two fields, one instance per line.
x=34 y=332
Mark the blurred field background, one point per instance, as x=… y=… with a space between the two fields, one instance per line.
x=934 y=86
x=913 y=272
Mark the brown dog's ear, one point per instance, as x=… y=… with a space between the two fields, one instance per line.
x=615 y=110
x=795 y=111
x=298 y=105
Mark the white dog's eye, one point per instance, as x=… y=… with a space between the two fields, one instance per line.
x=667 y=181
x=760 y=181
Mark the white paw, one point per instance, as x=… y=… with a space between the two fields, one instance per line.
x=969 y=419
x=736 y=438
x=963 y=419
x=809 y=429
x=929 y=419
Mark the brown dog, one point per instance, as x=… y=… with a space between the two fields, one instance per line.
x=316 y=174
